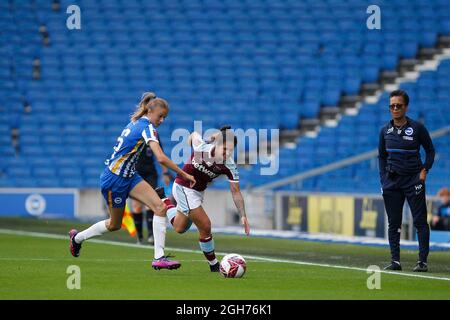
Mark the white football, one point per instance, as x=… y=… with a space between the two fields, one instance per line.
x=233 y=266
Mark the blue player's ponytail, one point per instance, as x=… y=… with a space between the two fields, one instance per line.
x=148 y=101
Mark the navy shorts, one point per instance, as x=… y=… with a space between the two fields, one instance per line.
x=115 y=189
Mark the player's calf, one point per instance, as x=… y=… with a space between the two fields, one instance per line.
x=207 y=246
x=180 y=225
x=76 y=238
x=114 y=227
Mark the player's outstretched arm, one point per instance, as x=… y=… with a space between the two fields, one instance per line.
x=165 y=161
x=217 y=134
x=194 y=139
x=240 y=205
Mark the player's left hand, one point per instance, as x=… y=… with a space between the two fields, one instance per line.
x=423 y=175
x=166 y=179
x=246 y=225
x=190 y=178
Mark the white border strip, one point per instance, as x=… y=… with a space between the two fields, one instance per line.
x=131 y=245
x=329 y=238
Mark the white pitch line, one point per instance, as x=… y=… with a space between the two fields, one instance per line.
x=71 y=259
x=264 y=259
x=107 y=260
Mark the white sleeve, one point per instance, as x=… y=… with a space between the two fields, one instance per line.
x=198 y=144
x=149 y=134
x=231 y=171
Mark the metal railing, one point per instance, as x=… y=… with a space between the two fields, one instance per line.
x=335 y=165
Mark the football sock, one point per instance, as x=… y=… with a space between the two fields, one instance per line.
x=159 y=235
x=149 y=222
x=168 y=203
x=207 y=246
x=137 y=218
x=171 y=214
x=93 y=231
x=171 y=210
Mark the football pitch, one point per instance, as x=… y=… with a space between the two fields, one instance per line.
x=34 y=259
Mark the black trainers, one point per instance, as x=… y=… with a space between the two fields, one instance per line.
x=421 y=267
x=395 y=265
x=215 y=267
x=73 y=246
x=160 y=192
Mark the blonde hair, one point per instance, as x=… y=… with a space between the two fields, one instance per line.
x=148 y=101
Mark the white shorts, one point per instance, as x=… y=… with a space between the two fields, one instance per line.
x=187 y=199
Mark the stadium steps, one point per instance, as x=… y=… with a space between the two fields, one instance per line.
x=265 y=58
x=369 y=92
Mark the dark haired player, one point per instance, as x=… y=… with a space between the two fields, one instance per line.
x=208 y=161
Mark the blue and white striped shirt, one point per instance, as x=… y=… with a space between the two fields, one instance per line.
x=129 y=146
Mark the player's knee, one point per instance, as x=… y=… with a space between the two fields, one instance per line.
x=207 y=227
x=205 y=231
x=160 y=210
x=114 y=226
x=179 y=229
x=137 y=208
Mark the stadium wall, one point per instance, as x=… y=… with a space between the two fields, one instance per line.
x=45 y=203
x=92 y=205
x=338 y=214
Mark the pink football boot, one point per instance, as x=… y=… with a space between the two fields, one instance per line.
x=165 y=263
x=74 y=247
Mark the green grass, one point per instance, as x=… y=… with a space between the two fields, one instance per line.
x=35 y=268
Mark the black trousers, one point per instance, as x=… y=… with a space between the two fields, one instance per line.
x=152 y=179
x=396 y=189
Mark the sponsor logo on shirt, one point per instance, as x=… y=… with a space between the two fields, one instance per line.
x=408 y=138
x=390 y=130
x=203 y=169
x=409 y=131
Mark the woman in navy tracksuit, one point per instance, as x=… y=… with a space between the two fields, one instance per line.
x=403 y=176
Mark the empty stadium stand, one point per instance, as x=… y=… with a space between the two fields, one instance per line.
x=249 y=63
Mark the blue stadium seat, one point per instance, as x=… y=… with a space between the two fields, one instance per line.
x=289 y=55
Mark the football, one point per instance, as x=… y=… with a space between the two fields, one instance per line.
x=233 y=266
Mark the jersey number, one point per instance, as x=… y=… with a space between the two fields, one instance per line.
x=119 y=143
